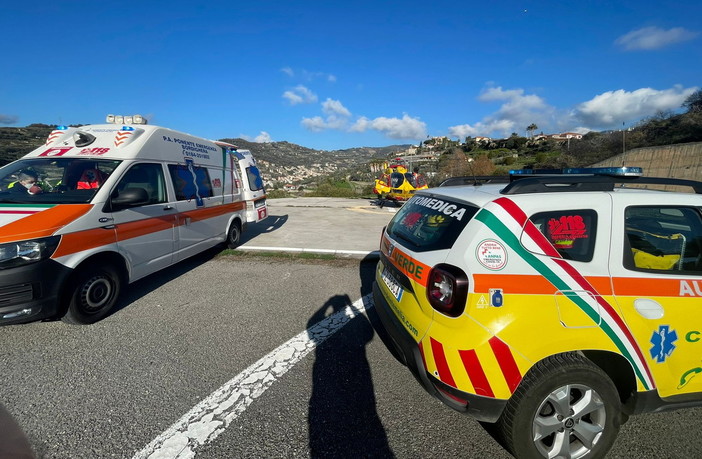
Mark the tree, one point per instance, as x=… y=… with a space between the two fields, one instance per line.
x=694 y=102
x=531 y=128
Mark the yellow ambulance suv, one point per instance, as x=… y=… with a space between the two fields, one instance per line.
x=553 y=306
x=100 y=206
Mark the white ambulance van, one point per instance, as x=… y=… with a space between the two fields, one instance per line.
x=100 y=206
x=252 y=183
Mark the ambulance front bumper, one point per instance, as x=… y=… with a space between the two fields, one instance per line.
x=31 y=292
x=406 y=350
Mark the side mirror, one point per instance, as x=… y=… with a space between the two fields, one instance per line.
x=129 y=197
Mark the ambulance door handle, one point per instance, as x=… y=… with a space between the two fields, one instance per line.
x=168 y=208
x=109 y=227
x=649 y=309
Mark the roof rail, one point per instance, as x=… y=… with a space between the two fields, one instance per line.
x=574 y=183
x=475 y=180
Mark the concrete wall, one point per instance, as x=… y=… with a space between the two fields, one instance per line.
x=683 y=160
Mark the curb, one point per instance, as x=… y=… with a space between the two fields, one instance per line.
x=345 y=253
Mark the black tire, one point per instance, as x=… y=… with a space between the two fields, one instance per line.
x=583 y=424
x=234 y=235
x=94 y=292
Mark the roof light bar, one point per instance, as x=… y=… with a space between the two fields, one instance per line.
x=612 y=171
x=129 y=119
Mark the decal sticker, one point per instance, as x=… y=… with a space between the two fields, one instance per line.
x=482 y=302
x=688 y=375
x=56 y=151
x=491 y=254
x=123 y=135
x=194 y=150
x=564 y=231
x=54 y=135
x=663 y=342
x=690 y=288
x=190 y=187
x=390 y=247
x=94 y=151
x=692 y=337
x=411 y=220
x=446 y=208
x=409 y=266
x=496 y=298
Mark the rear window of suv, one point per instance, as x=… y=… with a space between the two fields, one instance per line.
x=428 y=223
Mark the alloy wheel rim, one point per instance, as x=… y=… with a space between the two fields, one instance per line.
x=569 y=422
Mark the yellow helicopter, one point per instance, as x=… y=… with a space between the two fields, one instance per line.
x=397 y=184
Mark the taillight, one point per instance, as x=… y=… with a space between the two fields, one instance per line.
x=447 y=290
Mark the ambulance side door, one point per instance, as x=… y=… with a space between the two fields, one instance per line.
x=657 y=280
x=146 y=230
x=199 y=216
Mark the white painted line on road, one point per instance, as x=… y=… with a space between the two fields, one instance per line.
x=307 y=250
x=214 y=414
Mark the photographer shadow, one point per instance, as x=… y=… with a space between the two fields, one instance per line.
x=342 y=417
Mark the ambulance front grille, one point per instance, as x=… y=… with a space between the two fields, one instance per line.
x=14 y=294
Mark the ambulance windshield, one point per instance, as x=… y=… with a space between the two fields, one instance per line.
x=54 y=180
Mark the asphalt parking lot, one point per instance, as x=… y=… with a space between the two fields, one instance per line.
x=343 y=227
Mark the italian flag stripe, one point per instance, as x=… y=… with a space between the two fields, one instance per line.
x=562 y=276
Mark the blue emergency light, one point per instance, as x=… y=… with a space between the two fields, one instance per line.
x=611 y=171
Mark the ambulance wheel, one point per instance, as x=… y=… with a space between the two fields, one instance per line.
x=94 y=293
x=234 y=235
x=564 y=407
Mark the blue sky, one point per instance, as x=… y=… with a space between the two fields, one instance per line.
x=332 y=75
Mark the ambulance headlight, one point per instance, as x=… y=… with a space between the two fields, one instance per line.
x=128 y=120
x=110 y=119
x=21 y=253
x=119 y=119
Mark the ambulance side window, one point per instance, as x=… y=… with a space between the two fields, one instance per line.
x=190 y=182
x=148 y=176
x=255 y=179
x=571 y=232
x=666 y=239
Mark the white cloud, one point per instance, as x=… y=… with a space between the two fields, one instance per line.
x=337 y=117
x=315 y=124
x=300 y=95
x=504 y=127
x=395 y=128
x=649 y=38
x=263 y=137
x=334 y=107
x=612 y=108
x=518 y=110
x=288 y=71
x=604 y=111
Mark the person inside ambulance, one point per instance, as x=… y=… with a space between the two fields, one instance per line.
x=27 y=183
x=90 y=179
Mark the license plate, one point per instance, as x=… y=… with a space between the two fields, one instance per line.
x=392 y=284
